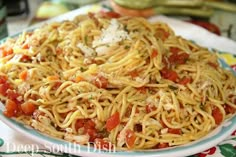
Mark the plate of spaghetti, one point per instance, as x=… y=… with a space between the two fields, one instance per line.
x=103 y=82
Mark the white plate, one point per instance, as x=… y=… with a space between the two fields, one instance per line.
x=212 y=139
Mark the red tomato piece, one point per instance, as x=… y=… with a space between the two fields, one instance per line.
x=3 y=88
x=79 y=123
x=161 y=33
x=150 y=108
x=218 y=116
x=176 y=58
x=11 y=108
x=12 y=94
x=25 y=58
x=154 y=53
x=169 y=74
x=100 y=82
x=174 y=131
x=5 y=51
x=229 y=109
x=130 y=138
x=162 y=145
x=142 y=89
x=28 y=108
x=23 y=75
x=185 y=80
x=174 y=50
x=3 y=79
x=113 y=121
x=134 y=73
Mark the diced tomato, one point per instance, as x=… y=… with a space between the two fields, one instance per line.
x=59 y=50
x=134 y=73
x=79 y=124
x=89 y=128
x=113 y=121
x=12 y=94
x=174 y=131
x=161 y=33
x=5 y=51
x=218 y=116
x=23 y=75
x=25 y=58
x=92 y=134
x=150 y=108
x=28 y=108
x=3 y=79
x=3 y=88
x=185 y=80
x=130 y=138
x=11 y=108
x=102 y=144
x=178 y=58
x=169 y=74
x=229 y=109
x=142 y=89
x=89 y=124
x=174 y=50
x=25 y=46
x=154 y=53
x=162 y=145
x=100 y=82
x=214 y=65
x=110 y=14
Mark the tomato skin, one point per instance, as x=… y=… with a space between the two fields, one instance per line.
x=130 y=138
x=28 y=108
x=100 y=82
x=11 y=108
x=218 y=116
x=113 y=121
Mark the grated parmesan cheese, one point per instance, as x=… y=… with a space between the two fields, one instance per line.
x=113 y=34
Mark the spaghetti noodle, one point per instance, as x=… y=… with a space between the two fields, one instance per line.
x=114 y=80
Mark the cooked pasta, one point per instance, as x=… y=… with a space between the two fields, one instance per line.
x=110 y=79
